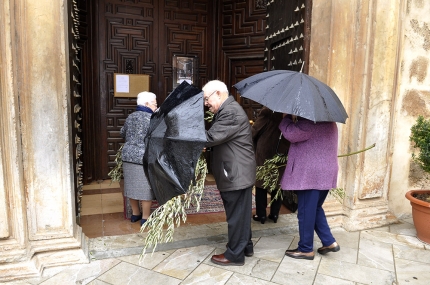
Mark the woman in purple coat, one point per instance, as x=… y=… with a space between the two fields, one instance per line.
x=311 y=171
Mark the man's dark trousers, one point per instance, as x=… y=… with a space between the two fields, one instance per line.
x=238 y=209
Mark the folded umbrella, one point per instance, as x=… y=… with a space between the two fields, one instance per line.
x=174 y=142
x=295 y=93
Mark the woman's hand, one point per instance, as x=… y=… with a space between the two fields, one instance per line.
x=293 y=117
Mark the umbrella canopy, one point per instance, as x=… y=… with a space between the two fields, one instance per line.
x=174 y=142
x=295 y=93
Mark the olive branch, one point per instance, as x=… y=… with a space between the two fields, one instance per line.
x=116 y=173
x=173 y=211
x=209 y=116
x=269 y=174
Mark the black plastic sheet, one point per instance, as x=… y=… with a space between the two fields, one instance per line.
x=174 y=142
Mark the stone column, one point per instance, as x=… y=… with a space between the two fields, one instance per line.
x=37 y=215
x=413 y=100
x=354 y=49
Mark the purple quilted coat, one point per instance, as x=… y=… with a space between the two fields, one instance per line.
x=312 y=158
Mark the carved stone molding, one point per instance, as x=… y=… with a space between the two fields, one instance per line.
x=356 y=53
x=37 y=223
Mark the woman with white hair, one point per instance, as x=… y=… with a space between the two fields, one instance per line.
x=136 y=186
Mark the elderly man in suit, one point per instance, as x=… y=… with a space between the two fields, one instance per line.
x=234 y=167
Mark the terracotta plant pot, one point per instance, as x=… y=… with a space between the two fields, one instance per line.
x=420 y=215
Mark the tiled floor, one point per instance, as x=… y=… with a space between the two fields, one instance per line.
x=390 y=255
x=102 y=211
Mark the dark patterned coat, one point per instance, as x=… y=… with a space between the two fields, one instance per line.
x=265 y=136
x=134 y=131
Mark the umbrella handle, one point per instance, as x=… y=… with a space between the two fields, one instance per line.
x=277 y=146
x=303 y=63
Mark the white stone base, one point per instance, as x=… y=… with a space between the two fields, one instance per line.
x=70 y=251
x=367 y=218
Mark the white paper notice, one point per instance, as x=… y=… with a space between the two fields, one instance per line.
x=122 y=83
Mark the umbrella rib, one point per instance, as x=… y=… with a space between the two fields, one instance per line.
x=279 y=98
x=338 y=113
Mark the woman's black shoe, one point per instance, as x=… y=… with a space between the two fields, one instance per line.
x=259 y=219
x=274 y=218
x=135 y=218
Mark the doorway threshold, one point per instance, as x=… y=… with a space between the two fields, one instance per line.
x=186 y=236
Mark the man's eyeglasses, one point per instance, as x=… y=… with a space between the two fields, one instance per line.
x=207 y=98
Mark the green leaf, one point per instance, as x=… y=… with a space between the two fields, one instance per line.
x=116 y=173
x=420 y=136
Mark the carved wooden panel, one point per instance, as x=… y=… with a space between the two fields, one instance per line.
x=127 y=36
x=90 y=93
x=186 y=28
x=287 y=35
x=141 y=37
x=241 y=69
x=241 y=40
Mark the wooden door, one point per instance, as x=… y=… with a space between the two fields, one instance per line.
x=288 y=35
x=287 y=47
x=141 y=37
x=128 y=32
x=241 y=45
x=241 y=69
x=186 y=29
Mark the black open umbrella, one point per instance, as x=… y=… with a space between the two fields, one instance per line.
x=174 y=142
x=295 y=93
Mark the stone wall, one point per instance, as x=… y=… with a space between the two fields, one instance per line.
x=37 y=217
x=413 y=99
x=375 y=55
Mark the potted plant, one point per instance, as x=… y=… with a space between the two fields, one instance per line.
x=420 y=199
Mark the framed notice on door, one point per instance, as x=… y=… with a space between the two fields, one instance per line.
x=129 y=85
x=184 y=69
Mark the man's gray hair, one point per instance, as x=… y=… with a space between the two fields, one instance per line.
x=145 y=97
x=215 y=85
